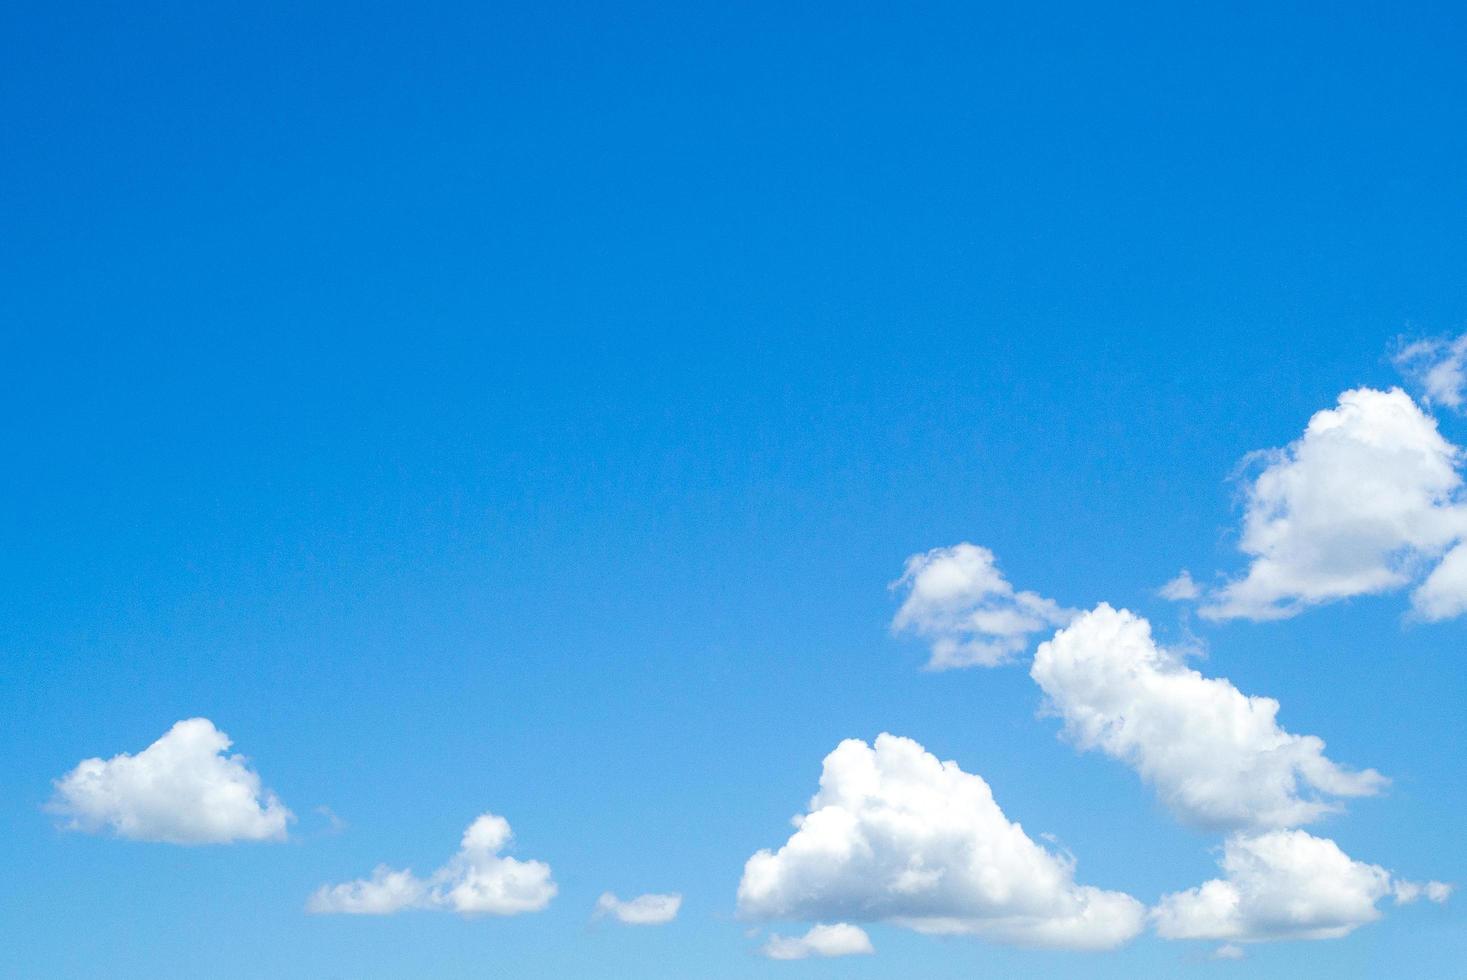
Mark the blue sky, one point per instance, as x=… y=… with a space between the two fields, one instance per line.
x=526 y=411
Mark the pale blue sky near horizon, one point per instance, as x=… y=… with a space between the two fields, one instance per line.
x=528 y=408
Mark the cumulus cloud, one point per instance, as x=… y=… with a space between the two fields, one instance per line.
x=1228 y=951
x=475 y=881
x=1360 y=504
x=895 y=835
x=840 y=939
x=387 y=891
x=1180 y=589
x=644 y=910
x=182 y=789
x=1216 y=757
x=1283 y=884
x=958 y=600
x=1439 y=366
x=1443 y=595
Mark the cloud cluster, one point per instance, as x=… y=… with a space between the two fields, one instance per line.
x=840 y=939
x=1365 y=501
x=1284 y=884
x=182 y=789
x=958 y=600
x=644 y=910
x=895 y=835
x=1217 y=757
x=476 y=881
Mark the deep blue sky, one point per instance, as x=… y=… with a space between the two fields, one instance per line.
x=525 y=409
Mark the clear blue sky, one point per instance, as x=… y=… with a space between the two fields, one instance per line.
x=525 y=409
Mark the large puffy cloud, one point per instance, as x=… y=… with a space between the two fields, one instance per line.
x=958 y=600
x=182 y=789
x=1284 y=884
x=1360 y=504
x=478 y=880
x=1217 y=757
x=644 y=910
x=840 y=939
x=895 y=835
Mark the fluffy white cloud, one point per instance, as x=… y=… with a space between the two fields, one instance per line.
x=644 y=910
x=1228 y=951
x=1284 y=884
x=958 y=600
x=1217 y=758
x=1360 y=504
x=476 y=881
x=840 y=939
x=1439 y=366
x=895 y=835
x=182 y=789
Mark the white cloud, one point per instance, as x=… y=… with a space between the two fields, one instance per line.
x=182 y=789
x=1407 y=892
x=387 y=891
x=1180 y=589
x=1360 y=504
x=1283 y=884
x=840 y=939
x=959 y=601
x=1439 y=366
x=476 y=881
x=1228 y=951
x=1217 y=758
x=644 y=910
x=895 y=835
x=1444 y=593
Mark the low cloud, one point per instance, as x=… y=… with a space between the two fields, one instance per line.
x=1364 y=502
x=1439 y=366
x=644 y=910
x=896 y=836
x=478 y=880
x=958 y=601
x=182 y=789
x=1217 y=757
x=1284 y=884
x=1181 y=588
x=840 y=939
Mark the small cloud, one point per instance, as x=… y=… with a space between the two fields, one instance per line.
x=840 y=939
x=182 y=789
x=1407 y=892
x=1437 y=365
x=478 y=880
x=334 y=824
x=1285 y=884
x=959 y=601
x=644 y=910
x=1180 y=589
x=1228 y=951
